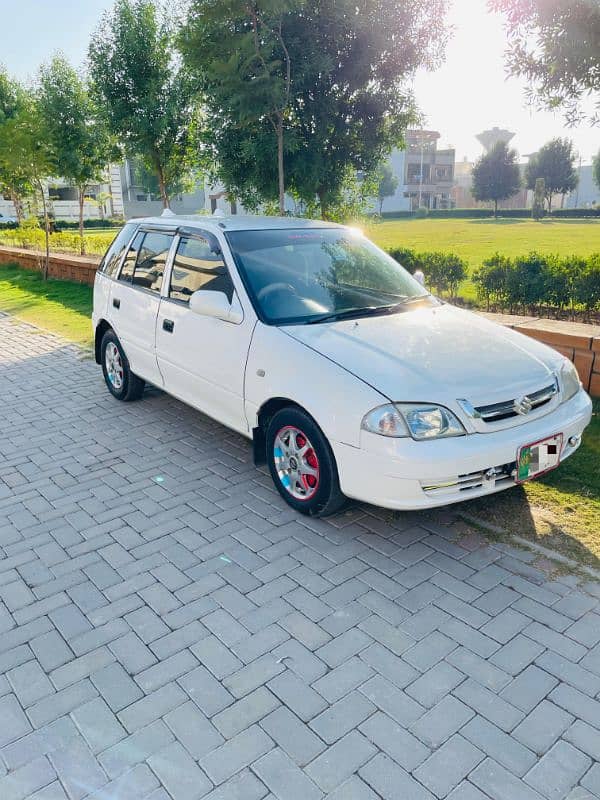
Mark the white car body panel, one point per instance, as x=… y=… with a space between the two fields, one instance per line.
x=203 y=361
x=339 y=371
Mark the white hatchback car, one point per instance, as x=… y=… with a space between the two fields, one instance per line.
x=349 y=377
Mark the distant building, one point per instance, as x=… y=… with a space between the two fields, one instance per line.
x=425 y=174
x=462 y=189
x=587 y=193
x=489 y=139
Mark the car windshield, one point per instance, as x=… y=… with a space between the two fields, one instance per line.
x=309 y=275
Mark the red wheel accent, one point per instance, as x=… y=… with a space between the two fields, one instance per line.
x=296 y=463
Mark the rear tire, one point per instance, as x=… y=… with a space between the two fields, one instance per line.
x=120 y=380
x=302 y=464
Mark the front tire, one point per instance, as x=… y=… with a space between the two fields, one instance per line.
x=302 y=464
x=119 y=378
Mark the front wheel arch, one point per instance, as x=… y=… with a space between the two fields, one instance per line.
x=266 y=412
x=328 y=497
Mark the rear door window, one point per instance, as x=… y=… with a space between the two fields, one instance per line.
x=151 y=260
x=112 y=259
x=131 y=257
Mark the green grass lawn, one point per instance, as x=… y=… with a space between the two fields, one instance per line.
x=59 y=306
x=562 y=510
x=476 y=239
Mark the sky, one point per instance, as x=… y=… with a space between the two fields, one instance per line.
x=467 y=95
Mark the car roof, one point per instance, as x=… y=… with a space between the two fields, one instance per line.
x=235 y=222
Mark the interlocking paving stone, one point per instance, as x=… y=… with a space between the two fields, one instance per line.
x=192 y=637
x=395 y=740
x=340 y=761
x=502 y=747
x=558 y=771
x=293 y=735
x=450 y=763
x=542 y=727
x=501 y=784
x=179 y=773
x=440 y=722
x=390 y=781
x=285 y=780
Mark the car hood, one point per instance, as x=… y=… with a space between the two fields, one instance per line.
x=435 y=354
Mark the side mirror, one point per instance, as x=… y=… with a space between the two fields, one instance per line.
x=216 y=304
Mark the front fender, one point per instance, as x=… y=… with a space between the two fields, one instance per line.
x=282 y=367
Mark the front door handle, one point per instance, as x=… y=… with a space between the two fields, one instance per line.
x=168 y=325
x=116 y=302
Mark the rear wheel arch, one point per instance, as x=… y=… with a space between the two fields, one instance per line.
x=101 y=329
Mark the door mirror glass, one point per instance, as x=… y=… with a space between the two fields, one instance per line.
x=215 y=304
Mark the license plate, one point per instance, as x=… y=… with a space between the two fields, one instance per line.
x=537 y=458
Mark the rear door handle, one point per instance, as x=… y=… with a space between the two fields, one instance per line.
x=168 y=325
x=116 y=302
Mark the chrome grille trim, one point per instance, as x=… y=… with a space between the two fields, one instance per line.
x=505 y=409
x=471 y=481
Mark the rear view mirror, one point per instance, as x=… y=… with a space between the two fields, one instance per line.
x=216 y=304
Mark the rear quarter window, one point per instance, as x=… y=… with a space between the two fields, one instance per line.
x=110 y=263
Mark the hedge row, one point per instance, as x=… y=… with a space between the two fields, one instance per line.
x=443 y=271
x=487 y=213
x=535 y=280
x=32 y=238
x=64 y=225
x=528 y=282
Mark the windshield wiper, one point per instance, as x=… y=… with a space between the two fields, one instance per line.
x=353 y=313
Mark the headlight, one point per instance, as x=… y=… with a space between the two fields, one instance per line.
x=420 y=420
x=569 y=380
x=386 y=421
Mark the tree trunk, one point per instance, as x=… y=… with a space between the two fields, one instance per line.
x=18 y=204
x=46 y=230
x=550 y=204
x=280 y=170
x=321 y=194
x=163 y=188
x=81 y=202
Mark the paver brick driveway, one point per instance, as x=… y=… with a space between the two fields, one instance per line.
x=169 y=629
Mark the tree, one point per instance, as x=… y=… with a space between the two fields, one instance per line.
x=25 y=151
x=555 y=45
x=80 y=141
x=555 y=163
x=149 y=97
x=239 y=50
x=349 y=101
x=496 y=175
x=388 y=183
x=13 y=180
x=596 y=169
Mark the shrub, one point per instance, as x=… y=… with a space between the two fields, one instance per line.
x=528 y=282
x=563 y=277
x=421 y=212
x=67 y=225
x=492 y=279
x=406 y=257
x=587 y=284
x=443 y=271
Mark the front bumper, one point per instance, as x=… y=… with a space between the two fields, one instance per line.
x=407 y=475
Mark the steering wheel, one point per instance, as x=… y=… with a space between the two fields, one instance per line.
x=275 y=287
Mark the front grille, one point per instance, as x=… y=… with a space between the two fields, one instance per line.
x=505 y=410
x=494 y=477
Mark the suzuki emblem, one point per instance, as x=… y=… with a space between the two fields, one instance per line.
x=522 y=405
